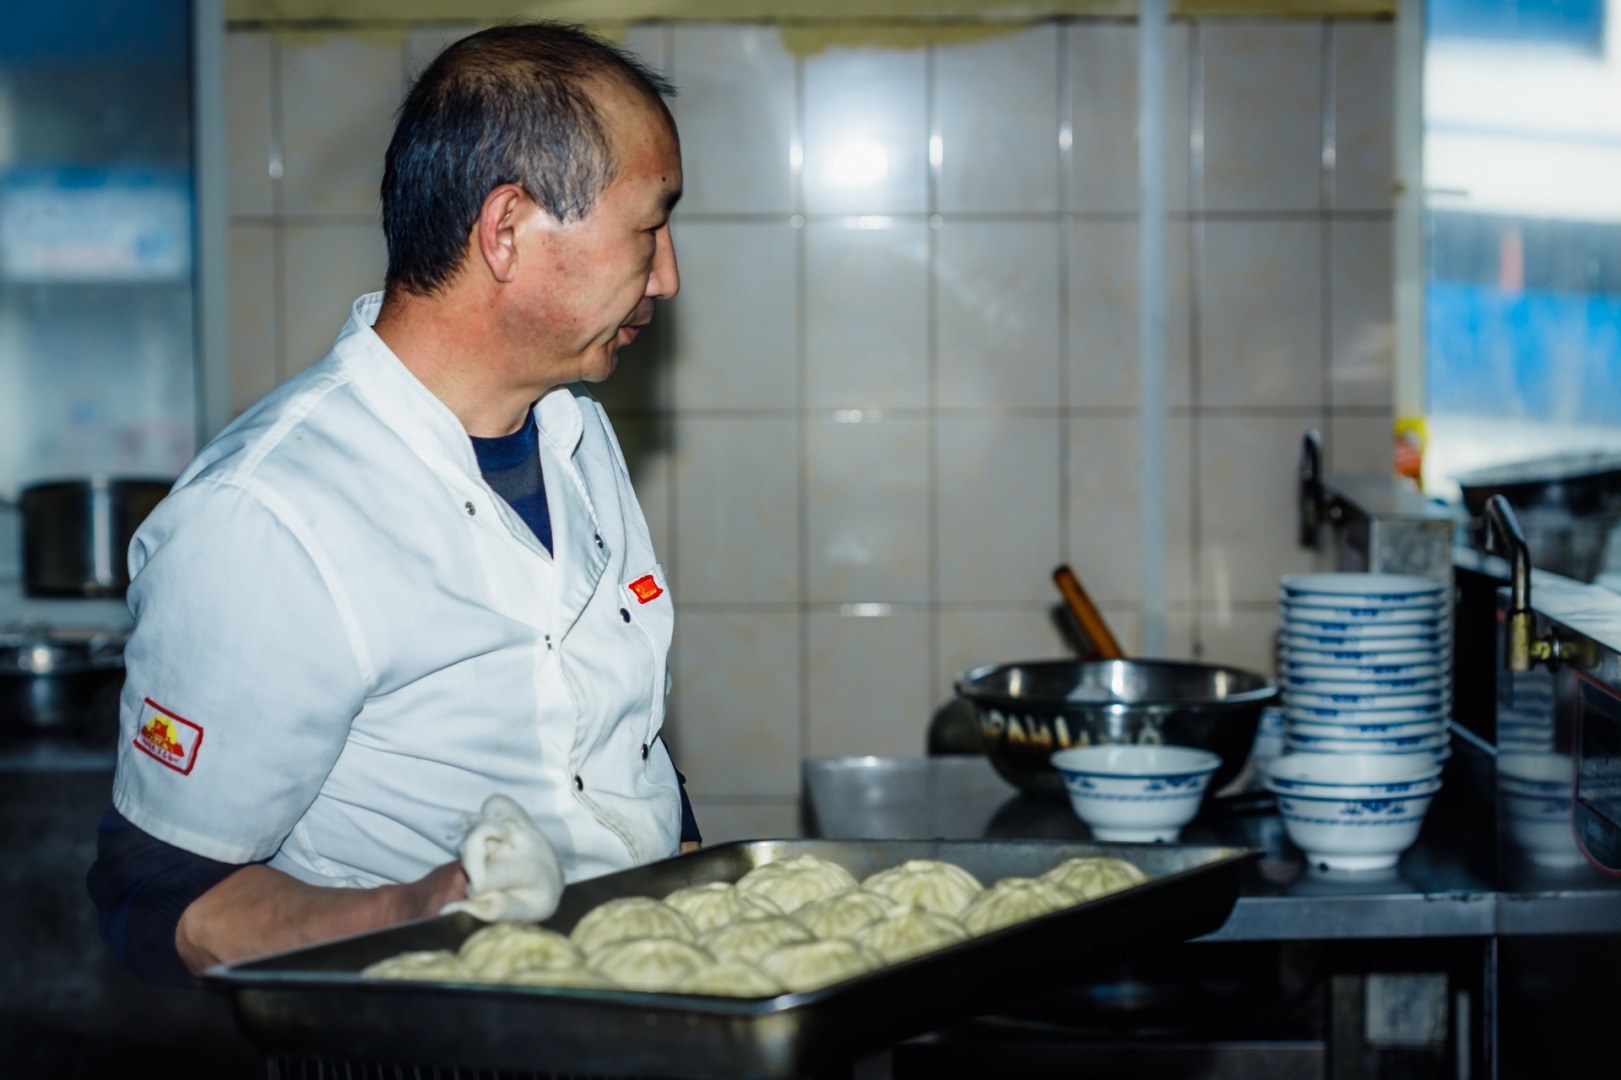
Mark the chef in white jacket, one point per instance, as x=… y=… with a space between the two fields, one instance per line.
x=416 y=574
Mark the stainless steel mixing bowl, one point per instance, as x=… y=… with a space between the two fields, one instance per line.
x=1028 y=709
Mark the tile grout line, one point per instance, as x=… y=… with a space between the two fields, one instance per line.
x=278 y=243
x=801 y=419
x=1066 y=163
x=931 y=353
x=1196 y=245
x=669 y=427
x=1328 y=192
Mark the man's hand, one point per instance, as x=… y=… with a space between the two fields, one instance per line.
x=428 y=894
x=690 y=845
x=259 y=910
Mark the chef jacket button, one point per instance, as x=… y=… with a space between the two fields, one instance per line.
x=548 y=641
x=470 y=510
x=598 y=539
x=579 y=785
x=644 y=751
x=623 y=614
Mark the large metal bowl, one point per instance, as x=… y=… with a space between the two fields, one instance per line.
x=1030 y=708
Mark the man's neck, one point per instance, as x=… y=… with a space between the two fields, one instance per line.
x=443 y=346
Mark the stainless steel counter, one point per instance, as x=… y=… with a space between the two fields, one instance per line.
x=1459 y=880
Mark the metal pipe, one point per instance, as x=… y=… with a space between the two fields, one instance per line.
x=1522 y=649
x=213 y=397
x=1152 y=496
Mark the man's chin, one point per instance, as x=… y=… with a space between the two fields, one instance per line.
x=601 y=367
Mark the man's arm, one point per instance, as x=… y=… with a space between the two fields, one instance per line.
x=169 y=913
x=258 y=910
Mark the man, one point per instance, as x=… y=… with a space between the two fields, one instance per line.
x=416 y=574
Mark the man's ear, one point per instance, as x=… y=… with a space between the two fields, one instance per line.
x=495 y=235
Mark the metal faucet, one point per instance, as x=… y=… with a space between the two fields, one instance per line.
x=1522 y=648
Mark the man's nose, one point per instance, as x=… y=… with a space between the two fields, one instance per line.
x=665 y=280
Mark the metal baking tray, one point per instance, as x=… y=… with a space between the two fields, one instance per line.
x=311 y=1002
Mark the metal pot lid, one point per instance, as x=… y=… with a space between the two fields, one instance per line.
x=1552 y=467
x=67 y=654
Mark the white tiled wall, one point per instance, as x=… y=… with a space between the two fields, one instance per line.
x=899 y=384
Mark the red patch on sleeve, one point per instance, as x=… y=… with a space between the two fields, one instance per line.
x=646 y=589
x=167 y=738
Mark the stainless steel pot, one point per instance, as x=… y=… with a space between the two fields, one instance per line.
x=58 y=685
x=1029 y=709
x=76 y=534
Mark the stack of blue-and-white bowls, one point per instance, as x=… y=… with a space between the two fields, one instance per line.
x=1365 y=663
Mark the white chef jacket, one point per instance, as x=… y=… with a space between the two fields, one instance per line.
x=345 y=640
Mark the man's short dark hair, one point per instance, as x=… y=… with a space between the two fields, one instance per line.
x=508 y=105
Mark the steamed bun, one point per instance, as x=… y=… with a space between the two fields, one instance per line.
x=1095 y=877
x=718 y=903
x=436 y=965
x=650 y=963
x=626 y=918
x=731 y=979
x=842 y=914
x=575 y=978
x=910 y=933
x=1014 y=899
x=793 y=883
x=815 y=964
x=498 y=950
x=930 y=884
x=748 y=941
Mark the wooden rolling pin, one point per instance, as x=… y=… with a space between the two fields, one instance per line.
x=1087 y=615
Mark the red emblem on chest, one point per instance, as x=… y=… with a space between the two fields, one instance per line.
x=167 y=738
x=646 y=589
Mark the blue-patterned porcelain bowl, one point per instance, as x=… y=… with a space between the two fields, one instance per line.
x=1136 y=794
x=1353 y=833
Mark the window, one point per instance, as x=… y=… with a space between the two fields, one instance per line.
x=1522 y=160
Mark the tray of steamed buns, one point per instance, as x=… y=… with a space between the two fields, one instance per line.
x=758 y=958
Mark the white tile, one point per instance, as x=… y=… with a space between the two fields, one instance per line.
x=1103 y=283
x=1261 y=332
x=734 y=319
x=974 y=637
x=866 y=131
x=1263 y=131
x=736 y=115
x=866 y=316
x=1361 y=444
x=425 y=43
x=1361 y=366
x=1103 y=81
x=1248 y=523
x=252 y=253
x=325 y=267
x=869 y=685
x=1240 y=637
x=998 y=500
x=996 y=290
x=643 y=370
x=737 y=519
x=649 y=41
x=1181 y=642
x=249 y=139
x=866 y=509
x=338 y=94
x=1103 y=507
x=998 y=110
x=1125 y=622
x=724 y=820
x=1364 y=114
x=648 y=446
x=735 y=702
